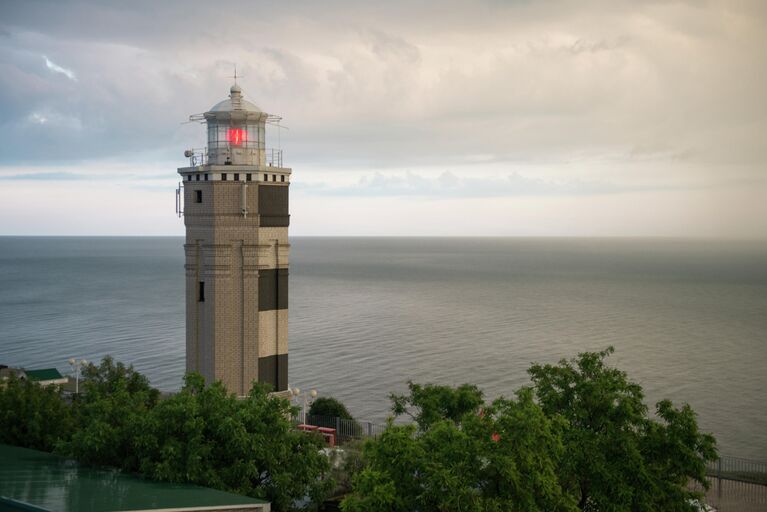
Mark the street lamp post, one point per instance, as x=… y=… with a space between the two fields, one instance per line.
x=77 y=365
x=306 y=396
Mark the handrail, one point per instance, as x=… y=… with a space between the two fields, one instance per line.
x=199 y=156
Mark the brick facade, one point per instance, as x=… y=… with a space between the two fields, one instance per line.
x=239 y=332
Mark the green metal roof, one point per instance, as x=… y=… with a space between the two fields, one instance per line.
x=56 y=484
x=44 y=374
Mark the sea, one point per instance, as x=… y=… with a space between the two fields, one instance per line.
x=687 y=318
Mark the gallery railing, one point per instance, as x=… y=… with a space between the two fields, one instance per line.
x=199 y=156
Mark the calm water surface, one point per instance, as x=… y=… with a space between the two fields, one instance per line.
x=688 y=319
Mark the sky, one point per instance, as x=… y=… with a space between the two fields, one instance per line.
x=415 y=118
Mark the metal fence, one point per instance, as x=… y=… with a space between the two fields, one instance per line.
x=736 y=484
x=738 y=470
x=346 y=430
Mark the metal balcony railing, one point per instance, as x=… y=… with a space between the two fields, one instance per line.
x=273 y=157
x=199 y=156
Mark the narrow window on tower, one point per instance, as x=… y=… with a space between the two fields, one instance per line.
x=274 y=177
x=223 y=176
x=198 y=196
x=197 y=177
x=206 y=176
x=236 y=177
x=248 y=177
x=189 y=177
x=266 y=177
x=201 y=292
x=282 y=178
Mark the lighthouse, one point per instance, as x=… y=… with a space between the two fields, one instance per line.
x=234 y=200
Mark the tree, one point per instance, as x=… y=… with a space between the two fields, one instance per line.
x=433 y=403
x=33 y=416
x=503 y=458
x=111 y=377
x=112 y=411
x=206 y=436
x=616 y=457
x=330 y=407
x=201 y=435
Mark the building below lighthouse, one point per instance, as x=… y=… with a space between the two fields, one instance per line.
x=235 y=208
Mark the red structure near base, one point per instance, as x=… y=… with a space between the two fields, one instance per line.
x=329 y=434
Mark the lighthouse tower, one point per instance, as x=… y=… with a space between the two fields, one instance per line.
x=235 y=208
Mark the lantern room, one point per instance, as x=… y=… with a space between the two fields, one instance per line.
x=237 y=133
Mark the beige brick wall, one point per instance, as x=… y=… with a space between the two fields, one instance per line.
x=272 y=325
x=226 y=334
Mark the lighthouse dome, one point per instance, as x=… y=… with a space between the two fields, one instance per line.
x=235 y=102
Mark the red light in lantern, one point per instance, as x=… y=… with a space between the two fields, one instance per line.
x=236 y=136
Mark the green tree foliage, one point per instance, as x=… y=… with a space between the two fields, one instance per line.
x=433 y=403
x=346 y=464
x=112 y=410
x=33 y=416
x=209 y=437
x=331 y=407
x=502 y=459
x=111 y=377
x=201 y=435
x=616 y=457
x=580 y=437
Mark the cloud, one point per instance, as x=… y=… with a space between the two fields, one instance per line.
x=52 y=118
x=579 y=98
x=449 y=185
x=369 y=86
x=114 y=171
x=37 y=118
x=58 y=69
x=45 y=176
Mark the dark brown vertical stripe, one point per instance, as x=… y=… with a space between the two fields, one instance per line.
x=273 y=289
x=273 y=206
x=267 y=371
x=273 y=370
x=282 y=372
x=274 y=221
